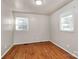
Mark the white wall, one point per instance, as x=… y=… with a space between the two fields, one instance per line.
x=38 y=31
x=67 y=40
x=6 y=27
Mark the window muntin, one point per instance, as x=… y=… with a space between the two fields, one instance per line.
x=22 y=23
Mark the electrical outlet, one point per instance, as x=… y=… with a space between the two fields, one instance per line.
x=5 y=45
x=68 y=46
x=75 y=52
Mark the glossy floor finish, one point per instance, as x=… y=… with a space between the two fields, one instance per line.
x=43 y=50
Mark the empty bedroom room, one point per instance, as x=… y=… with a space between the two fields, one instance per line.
x=39 y=29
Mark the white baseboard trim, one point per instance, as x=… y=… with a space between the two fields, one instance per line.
x=65 y=49
x=28 y=42
x=7 y=50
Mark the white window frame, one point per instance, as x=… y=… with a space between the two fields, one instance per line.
x=67 y=22
x=18 y=24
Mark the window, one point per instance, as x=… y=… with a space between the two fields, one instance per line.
x=22 y=23
x=66 y=23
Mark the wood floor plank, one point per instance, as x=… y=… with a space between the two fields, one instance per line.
x=44 y=50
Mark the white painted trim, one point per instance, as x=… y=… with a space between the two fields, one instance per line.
x=7 y=50
x=64 y=49
x=29 y=42
x=31 y=13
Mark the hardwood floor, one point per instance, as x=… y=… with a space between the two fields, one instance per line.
x=44 y=50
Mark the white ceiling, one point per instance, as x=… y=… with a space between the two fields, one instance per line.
x=28 y=6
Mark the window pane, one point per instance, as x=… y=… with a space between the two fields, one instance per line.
x=21 y=23
x=66 y=23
